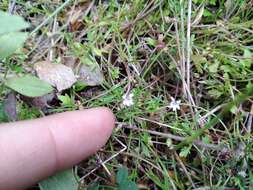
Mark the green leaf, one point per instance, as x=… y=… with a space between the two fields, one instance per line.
x=151 y=42
x=132 y=185
x=94 y=186
x=11 y=23
x=122 y=175
x=66 y=100
x=213 y=68
x=185 y=151
x=199 y=62
x=212 y=2
x=215 y=93
x=207 y=13
x=9 y=43
x=247 y=59
x=97 y=51
x=169 y=142
x=61 y=181
x=29 y=86
x=127 y=185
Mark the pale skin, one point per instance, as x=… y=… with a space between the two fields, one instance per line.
x=33 y=150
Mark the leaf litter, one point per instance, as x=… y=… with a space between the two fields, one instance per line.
x=10 y=107
x=58 y=75
x=91 y=75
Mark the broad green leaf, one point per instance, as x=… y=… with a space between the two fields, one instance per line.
x=122 y=175
x=29 y=86
x=61 y=181
x=94 y=186
x=9 y=43
x=11 y=23
x=127 y=185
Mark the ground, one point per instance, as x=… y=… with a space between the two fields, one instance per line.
x=177 y=74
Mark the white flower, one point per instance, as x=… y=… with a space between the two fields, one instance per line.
x=174 y=104
x=242 y=174
x=128 y=99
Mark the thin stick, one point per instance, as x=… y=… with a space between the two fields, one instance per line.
x=241 y=97
x=184 y=168
x=158 y=123
x=182 y=46
x=188 y=45
x=51 y=51
x=12 y=5
x=50 y=17
x=107 y=160
x=141 y=16
x=177 y=138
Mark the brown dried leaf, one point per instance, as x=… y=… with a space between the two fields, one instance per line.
x=90 y=74
x=10 y=107
x=199 y=16
x=40 y=102
x=58 y=75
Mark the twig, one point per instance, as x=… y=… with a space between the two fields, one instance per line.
x=180 y=53
x=103 y=164
x=249 y=122
x=191 y=100
x=177 y=138
x=141 y=16
x=185 y=67
x=211 y=112
x=188 y=44
x=50 y=17
x=51 y=52
x=12 y=5
x=241 y=97
x=182 y=46
x=184 y=168
x=158 y=123
x=107 y=160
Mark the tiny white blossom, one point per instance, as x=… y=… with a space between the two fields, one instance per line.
x=128 y=99
x=174 y=104
x=242 y=174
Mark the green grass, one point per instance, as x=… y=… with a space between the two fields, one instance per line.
x=139 y=45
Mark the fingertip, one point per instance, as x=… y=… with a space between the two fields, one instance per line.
x=79 y=134
x=50 y=144
x=107 y=116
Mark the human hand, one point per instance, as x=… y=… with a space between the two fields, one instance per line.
x=33 y=150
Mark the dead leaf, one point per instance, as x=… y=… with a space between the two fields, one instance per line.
x=199 y=16
x=58 y=75
x=10 y=107
x=75 y=16
x=69 y=61
x=40 y=102
x=90 y=74
x=228 y=6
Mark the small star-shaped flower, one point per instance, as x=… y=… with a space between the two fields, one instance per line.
x=128 y=99
x=174 y=104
